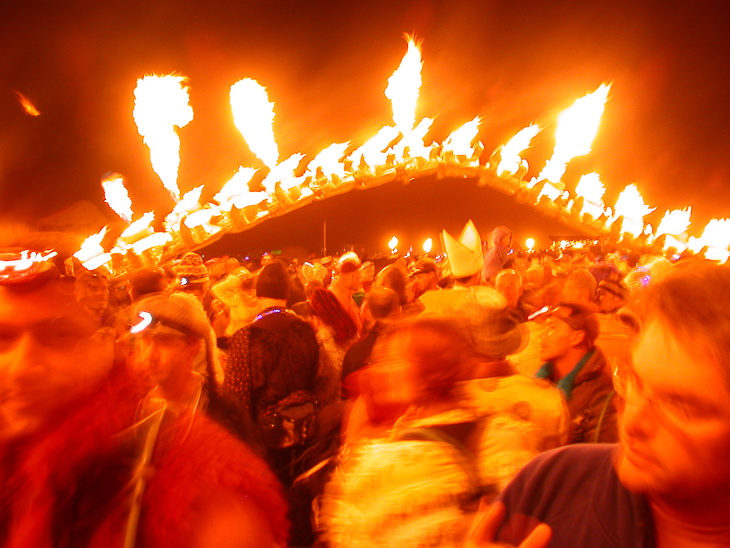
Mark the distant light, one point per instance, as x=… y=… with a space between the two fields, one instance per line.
x=146 y=321
x=393 y=244
x=530 y=243
x=427 y=245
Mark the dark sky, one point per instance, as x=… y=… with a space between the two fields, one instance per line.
x=326 y=65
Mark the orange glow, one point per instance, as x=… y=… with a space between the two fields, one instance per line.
x=716 y=237
x=592 y=190
x=393 y=244
x=373 y=151
x=139 y=226
x=91 y=247
x=27 y=105
x=116 y=195
x=577 y=127
x=674 y=222
x=427 y=245
x=236 y=186
x=511 y=159
x=157 y=239
x=460 y=141
x=253 y=115
x=190 y=202
x=283 y=171
x=329 y=161
x=27 y=260
x=160 y=105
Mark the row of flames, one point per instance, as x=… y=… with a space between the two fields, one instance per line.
x=396 y=152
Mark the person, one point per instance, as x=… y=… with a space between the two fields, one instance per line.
x=579 y=369
x=91 y=290
x=425 y=277
x=666 y=483
x=580 y=287
x=272 y=371
x=498 y=256
x=236 y=293
x=509 y=283
x=191 y=276
x=74 y=439
x=611 y=296
x=145 y=282
x=348 y=268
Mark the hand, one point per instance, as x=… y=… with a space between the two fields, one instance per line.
x=487 y=521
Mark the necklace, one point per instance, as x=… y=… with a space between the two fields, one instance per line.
x=273 y=310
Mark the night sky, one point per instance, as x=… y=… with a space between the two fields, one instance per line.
x=326 y=65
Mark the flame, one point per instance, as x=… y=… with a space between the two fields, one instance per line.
x=403 y=88
x=141 y=224
x=414 y=141
x=158 y=239
x=161 y=103
x=530 y=244
x=253 y=115
x=674 y=222
x=373 y=151
x=592 y=190
x=91 y=247
x=27 y=259
x=716 y=237
x=282 y=172
x=236 y=186
x=27 y=105
x=393 y=244
x=459 y=142
x=329 y=161
x=116 y=195
x=577 y=127
x=552 y=191
x=511 y=158
x=427 y=245
x=631 y=205
x=202 y=218
x=190 y=202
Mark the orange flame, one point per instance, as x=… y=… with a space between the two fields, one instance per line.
x=460 y=141
x=674 y=222
x=716 y=237
x=157 y=239
x=116 y=195
x=427 y=245
x=91 y=247
x=140 y=225
x=577 y=127
x=161 y=104
x=27 y=105
x=631 y=205
x=393 y=244
x=283 y=171
x=511 y=159
x=592 y=190
x=403 y=88
x=329 y=161
x=373 y=151
x=189 y=202
x=253 y=115
x=236 y=186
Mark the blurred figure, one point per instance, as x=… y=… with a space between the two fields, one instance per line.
x=580 y=287
x=236 y=291
x=509 y=283
x=666 y=483
x=91 y=290
x=394 y=277
x=579 y=369
x=146 y=281
x=191 y=276
x=425 y=277
x=498 y=255
x=411 y=488
x=346 y=284
x=611 y=296
x=335 y=334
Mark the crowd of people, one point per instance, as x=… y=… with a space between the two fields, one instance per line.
x=487 y=397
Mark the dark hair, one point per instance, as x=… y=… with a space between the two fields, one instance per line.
x=580 y=318
x=146 y=281
x=274 y=281
x=396 y=279
x=326 y=307
x=382 y=302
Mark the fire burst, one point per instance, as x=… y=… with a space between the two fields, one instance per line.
x=253 y=115
x=161 y=104
x=27 y=105
x=116 y=195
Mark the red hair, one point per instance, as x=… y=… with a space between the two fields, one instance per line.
x=326 y=307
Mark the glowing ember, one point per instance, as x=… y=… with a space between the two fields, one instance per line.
x=460 y=141
x=403 y=88
x=237 y=186
x=91 y=247
x=27 y=105
x=393 y=244
x=373 y=151
x=511 y=159
x=716 y=237
x=675 y=222
x=427 y=245
x=592 y=190
x=577 y=127
x=253 y=115
x=115 y=194
x=161 y=104
x=631 y=205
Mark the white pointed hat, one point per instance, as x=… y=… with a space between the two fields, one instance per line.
x=465 y=254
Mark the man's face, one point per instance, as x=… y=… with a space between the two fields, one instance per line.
x=45 y=360
x=557 y=338
x=675 y=425
x=607 y=301
x=162 y=355
x=93 y=294
x=426 y=280
x=351 y=280
x=509 y=286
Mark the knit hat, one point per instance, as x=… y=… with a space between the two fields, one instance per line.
x=496 y=332
x=181 y=313
x=465 y=254
x=191 y=269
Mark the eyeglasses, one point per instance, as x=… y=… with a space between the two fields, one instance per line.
x=673 y=409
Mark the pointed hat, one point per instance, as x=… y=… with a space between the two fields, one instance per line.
x=465 y=254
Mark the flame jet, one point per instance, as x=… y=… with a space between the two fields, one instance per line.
x=160 y=105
